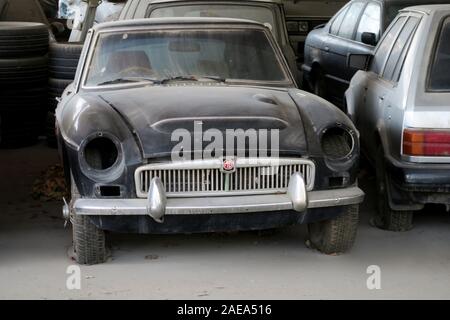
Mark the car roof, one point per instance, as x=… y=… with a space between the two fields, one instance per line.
x=412 y=2
x=167 y=1
x=430 y=8
x=174 y=21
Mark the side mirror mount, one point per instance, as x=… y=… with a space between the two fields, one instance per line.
x=358 y=61
x=369 y=38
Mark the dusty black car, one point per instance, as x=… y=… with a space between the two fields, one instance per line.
x=196 y=125
x=355 y=29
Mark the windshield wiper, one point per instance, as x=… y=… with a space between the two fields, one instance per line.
x=160 y=81
x=192 y=78
x=178 y=78
x=128 y=80
x=215 y=78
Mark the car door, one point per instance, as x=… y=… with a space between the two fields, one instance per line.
x=329 y=53
x=383 y=98
x=336 y=49
x=369 y=22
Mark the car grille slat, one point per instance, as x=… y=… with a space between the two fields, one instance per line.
x=210 y=179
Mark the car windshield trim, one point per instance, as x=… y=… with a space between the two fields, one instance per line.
x=116 y=83
x=133 y=81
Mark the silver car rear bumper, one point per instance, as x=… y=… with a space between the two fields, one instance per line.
x=157 y=205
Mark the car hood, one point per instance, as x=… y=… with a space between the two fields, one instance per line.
x=155 y=112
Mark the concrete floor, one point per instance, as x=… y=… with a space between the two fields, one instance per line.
x=34 y=259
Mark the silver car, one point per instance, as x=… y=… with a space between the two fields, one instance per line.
x=400 y=102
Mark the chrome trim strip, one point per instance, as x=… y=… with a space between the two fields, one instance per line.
x=426 y=159
x=218 y=205
x=336 y=197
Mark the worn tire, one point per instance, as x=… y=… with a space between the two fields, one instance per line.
x=64 y=59
x=23 y=39
x=24 y=73
x=335 y=236
x=386 y=218
x=89 y=243
x=23 y=100
x=20 y=128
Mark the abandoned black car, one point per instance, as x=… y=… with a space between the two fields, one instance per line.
x=196 y=125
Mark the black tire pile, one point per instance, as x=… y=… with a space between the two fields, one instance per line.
x=62 y=67
x=23 y=81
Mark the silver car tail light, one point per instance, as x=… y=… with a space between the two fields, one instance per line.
x=426 y=142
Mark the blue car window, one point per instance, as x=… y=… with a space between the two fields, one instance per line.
x=370 y=21
x=338 y=21
x=350 y=20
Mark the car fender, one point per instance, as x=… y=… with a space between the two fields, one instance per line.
x=317 y=115
x=354 y=95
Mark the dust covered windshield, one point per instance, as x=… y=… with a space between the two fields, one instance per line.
x=242 y=55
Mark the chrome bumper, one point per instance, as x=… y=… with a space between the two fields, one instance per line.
x=157 y=205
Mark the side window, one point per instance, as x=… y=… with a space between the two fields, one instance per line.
x=338 y=21
x=399 y=50
x=385 y=45
x=370 y=21
x=350 y=20
x=440 y=74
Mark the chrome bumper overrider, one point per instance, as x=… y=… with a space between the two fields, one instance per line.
x=157 y=205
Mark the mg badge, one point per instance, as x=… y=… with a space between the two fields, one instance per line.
x=229 y=165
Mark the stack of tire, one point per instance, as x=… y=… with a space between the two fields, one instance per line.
x=62 y=67
x=23 y=81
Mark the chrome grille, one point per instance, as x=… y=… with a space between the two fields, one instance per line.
x=207 y=178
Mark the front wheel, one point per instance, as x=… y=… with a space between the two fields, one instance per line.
x=88 y=241
x=89 y=244
x=335 y=236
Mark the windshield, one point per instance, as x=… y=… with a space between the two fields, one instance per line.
x=159 y=56
x=440 y=70
x=256 y=13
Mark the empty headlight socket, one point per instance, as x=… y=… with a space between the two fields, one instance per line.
x=108 y=174
x=338 y=135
